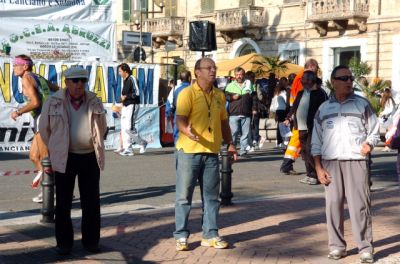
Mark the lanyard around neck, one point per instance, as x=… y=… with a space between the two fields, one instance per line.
x=209 y=104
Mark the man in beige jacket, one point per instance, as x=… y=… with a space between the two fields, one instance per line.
x=72 y=125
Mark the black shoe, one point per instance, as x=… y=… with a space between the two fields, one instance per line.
x=63 y=251
x=92 y=249
x=290 y=172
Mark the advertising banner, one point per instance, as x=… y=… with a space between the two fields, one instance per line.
x=58 y=29
x=103 y=80
x=58 y=40
x=16 y=136
x=147 y=124
x=78 y=10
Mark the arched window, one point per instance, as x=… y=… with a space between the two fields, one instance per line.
x=247 y=49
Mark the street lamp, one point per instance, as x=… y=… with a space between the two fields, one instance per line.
x=140 y=8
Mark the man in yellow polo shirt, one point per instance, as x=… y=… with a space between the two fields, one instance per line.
x=202 y=121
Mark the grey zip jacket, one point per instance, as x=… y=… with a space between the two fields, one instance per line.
x=341 y=128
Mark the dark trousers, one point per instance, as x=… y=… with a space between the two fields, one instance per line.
x=87 y=169
x=305 y=142
x=287 y=165
x=133 y=117
x=255 y=128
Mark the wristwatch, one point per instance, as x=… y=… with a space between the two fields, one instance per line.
x=18 y=112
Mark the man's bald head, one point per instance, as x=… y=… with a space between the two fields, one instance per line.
x=205 y=71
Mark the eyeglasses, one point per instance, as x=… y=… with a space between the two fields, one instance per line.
x=344 y=78
x=209 y=68
x=76 y=80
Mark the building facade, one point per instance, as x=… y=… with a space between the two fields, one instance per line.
x=331 y=31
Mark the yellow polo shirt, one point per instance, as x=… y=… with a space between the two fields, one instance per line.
x=195 y=104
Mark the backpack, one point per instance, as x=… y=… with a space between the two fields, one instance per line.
x=43 y=90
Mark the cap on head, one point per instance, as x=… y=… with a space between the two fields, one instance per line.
x=76 y=72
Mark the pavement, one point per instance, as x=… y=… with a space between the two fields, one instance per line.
x=283 y=228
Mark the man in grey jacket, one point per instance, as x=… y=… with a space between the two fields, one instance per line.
x=73 y=125
x=345 y=131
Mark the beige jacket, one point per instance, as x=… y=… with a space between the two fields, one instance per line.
x=54 y=128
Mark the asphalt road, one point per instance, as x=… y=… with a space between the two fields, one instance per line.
x=148 y=181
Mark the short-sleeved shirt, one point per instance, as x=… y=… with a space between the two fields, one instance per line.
x=195 y=104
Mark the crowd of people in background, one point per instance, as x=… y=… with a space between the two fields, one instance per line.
x=251 y=100
x=304 y=113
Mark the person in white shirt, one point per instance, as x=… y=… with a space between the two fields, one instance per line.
x=388 y=106
x=279 y=106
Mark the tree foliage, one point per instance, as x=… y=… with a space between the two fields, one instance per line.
x=371 y=89
x=270 y=64
x=359 y=68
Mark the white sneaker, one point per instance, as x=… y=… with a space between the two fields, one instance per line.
x=182 y=244
x=367 y=257
x=126 y=153
x=143 y=148
x=249 y=149
x=337 y=254
x=38 y=198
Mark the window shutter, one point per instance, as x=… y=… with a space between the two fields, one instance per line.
x=244 y=3
x=126 y=11
x=207 y=6
x=170 y=8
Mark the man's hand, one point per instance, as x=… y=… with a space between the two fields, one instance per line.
x=232 y=151
x=235 y=96
x=323 y=176
x=14 y=115
x=189 y=134
x=123 y=97
x=365 y=149
x=286 y=122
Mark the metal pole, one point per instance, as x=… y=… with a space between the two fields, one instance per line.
x=48 y=192
x=140 y=34
x=226 y=178
x=167 y=67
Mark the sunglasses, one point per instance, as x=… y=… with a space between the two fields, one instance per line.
x=76 y=80
x=344 y=78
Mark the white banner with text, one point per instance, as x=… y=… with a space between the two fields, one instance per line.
x=78 y=10
x=103 y=80
x=59 y=40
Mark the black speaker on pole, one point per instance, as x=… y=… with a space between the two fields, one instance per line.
x=202 y=36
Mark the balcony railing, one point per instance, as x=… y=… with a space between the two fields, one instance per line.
x=326 y=10
x=327 y=15
x=241 y=18
x=165 y=26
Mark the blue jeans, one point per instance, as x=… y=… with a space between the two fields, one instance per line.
x=202 y=167
x=240 y=123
